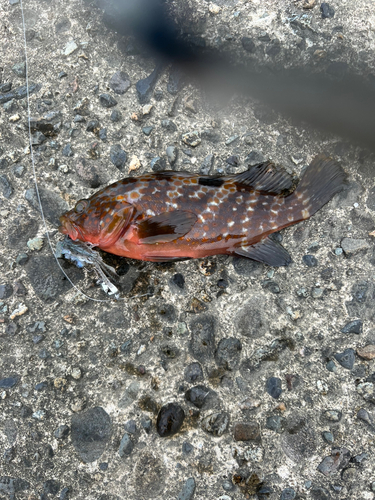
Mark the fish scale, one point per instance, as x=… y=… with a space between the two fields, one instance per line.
x=176 y=215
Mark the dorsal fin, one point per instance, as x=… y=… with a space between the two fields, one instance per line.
x=265 y=178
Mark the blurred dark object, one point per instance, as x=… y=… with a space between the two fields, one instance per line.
x=343 y=105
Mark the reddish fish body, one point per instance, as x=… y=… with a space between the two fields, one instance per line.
x=175 y=215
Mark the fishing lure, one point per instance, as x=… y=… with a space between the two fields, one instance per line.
x=169 y=215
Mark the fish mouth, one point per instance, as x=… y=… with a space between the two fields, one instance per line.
x=68 y=228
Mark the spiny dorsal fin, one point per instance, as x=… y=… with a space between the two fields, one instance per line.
x=267 y=251
x=165 y=227
x=265 y=178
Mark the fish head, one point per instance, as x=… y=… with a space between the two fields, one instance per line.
x=98 y=220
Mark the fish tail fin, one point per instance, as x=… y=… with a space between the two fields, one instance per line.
x=323 y=178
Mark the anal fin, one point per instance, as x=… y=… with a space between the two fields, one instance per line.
x=267 y=251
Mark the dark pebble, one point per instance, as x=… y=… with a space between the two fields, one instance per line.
x=187 y=448
x=188 y=489
x=247 y=431
x=275 y=423
x=62 y=74
x=353 y=327
x=118 y=156
x=336 y=461
x=6 y=291
x=103 y=134
x=207 y=165
x=288 y=494
x=93 y=126
x=120 y=82
x=19 y=93
x=193 y=373
x=38 y=138
x=332 y=415
x=67 y=150
x=5 y=87
x=103 y=466
x=146 y=86
x=130 y=427
x=270 y=285
x=176 y=80
x=147 y=130
x=197 y=395
x=310 y=260
x=327 y=11
x=216 y=423
x=158 y=164
x=273 y=387
x=202 y=343
x=115 y=116
x=41 y=386
x=8 y=382
x=248 y=44
x=328 y=436
x=62 y=432
x=126 y=346
x=18 y=171
x=107 y=101
x=126 y=446
x=90 y=432
x=146 y=423
x=169 y=125
x=365 y=416
x=346 y=358
x=253 y=158
x=228 y=353
x=170 y=419
x=5 y=186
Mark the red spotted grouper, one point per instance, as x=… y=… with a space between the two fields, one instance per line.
x=171 y=215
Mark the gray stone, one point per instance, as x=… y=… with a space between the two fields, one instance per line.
x=339 y=459
x=228 y=353
x=346 y=358
x=107 y=101
x=192 y=139
x=90 y=432
x=188 y=489
x=352 y=246
x=20 y=69
x=120 y=82
x=118 y=156
x=126 y=446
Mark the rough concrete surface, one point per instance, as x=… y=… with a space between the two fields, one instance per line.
x=283 y=357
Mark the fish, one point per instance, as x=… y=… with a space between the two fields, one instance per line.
x=171 y=215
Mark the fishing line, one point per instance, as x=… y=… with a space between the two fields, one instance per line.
x=34 y=170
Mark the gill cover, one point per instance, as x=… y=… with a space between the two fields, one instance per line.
x=112 y=227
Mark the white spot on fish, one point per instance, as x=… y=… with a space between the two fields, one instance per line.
x=231 y=223
x=305 y=214
x=201 y=218
x=290 y=218
x=156 y=190
x=150 y=212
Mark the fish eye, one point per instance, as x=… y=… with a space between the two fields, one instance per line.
x=80 y=207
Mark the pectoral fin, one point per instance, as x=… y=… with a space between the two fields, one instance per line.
x=267 y=251
x=165 y=227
